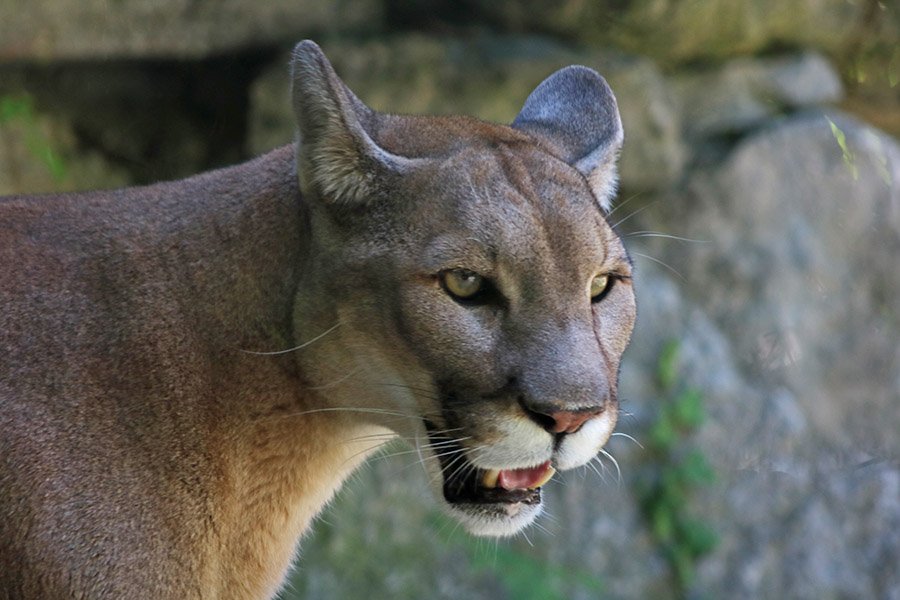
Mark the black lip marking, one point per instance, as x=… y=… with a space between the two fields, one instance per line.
x=462 y=483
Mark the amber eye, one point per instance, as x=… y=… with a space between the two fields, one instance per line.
x=462 y=284
x=599 y=285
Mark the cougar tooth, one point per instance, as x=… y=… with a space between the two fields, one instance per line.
x=489 y=480
x=548 y=474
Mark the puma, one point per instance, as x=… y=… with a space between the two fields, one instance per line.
x=189 y=370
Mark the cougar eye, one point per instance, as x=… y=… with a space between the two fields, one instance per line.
x=600 y=284
x=462 y=284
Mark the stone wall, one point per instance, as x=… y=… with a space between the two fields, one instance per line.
x=760 y=203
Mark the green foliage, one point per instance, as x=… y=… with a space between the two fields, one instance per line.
x=18 y=111
x=528 y=577
x=677 y=471
x=847 y=154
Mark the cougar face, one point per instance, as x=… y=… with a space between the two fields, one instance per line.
x=465 y=290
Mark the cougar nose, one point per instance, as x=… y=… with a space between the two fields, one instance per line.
x=556 y=421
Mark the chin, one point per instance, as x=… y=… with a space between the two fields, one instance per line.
x=495 y=519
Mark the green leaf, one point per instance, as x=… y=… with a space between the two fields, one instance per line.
x=662 y=435
x=848 y=156
x=683 y=565
x=697 y=470
x=699 y=537
x=15 y=108
x=667 y=367
x=662 y=525
x=689 y=412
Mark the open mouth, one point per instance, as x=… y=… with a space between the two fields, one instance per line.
x=465 y=483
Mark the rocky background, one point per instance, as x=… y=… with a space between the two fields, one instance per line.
x=761 y=201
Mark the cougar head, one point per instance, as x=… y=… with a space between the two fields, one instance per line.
x=476 y=298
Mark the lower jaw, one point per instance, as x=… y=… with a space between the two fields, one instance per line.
x=495 y=519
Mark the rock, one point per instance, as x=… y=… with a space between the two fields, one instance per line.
x=489 y=78
x=744 y=93
x=654 y=154
x=41 y=30
x=674 y=32
x=803 y=228
x=788 y=324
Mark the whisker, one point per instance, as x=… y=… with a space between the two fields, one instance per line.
x=537 y=525
x=657 y=234
x=623 y=204
x=548 y=516
x=527 y=539
x=374 y=411
x=423 y=460
x=656 y=260
x=404 y=386
x=387 y=437
x=460 y=458
x=416 y=450
x=466 y=465
x=336 y=382
x=295 y=348
x=355 y=454
x=633 y=213
x=627 y=437
x=615 y=464
x=600 y=472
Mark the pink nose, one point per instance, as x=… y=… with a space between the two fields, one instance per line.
x=565 y=421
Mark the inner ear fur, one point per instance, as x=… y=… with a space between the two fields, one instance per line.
x=574 y=111
x=337 y=159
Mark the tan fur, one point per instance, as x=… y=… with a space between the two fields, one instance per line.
x=190 y=370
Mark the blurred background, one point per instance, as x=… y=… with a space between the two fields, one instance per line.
x=760 y=199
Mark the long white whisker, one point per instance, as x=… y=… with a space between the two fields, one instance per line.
x=539 y=526
x=373 y=411
x=656 y=234
x=295 y=348
x=387 y=436
x=527 y=539
x=600 y=472
x=615 y=464
x=656 y=260
x=633 y=213
x=417 y=451
x=336 y=382
x=627 y=437
x=460 y=469
x=622 y=204
x=404 y=386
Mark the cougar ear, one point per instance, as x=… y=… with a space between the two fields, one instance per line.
x=337 y=159
x=575 y=111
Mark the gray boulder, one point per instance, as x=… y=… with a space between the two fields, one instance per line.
x=744 y=93
x=673 y=31
x=40 y=30
x=788 y=322
x=803 y=229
